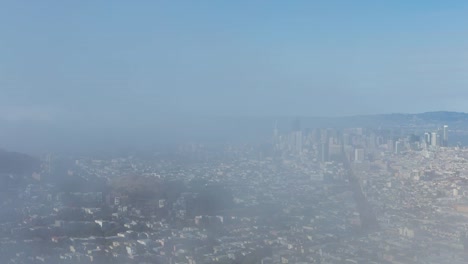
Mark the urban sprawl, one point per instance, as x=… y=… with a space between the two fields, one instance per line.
x=306 y=196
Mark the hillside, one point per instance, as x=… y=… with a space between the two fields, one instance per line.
x=17 y=163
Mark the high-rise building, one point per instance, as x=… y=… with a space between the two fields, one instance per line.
x=324 y=135
x=292 y=142
x=371 y=141
x=317 y=135
x=346 y=139
x=427 y=138
x=295 y=142
x=397 y=147
x=275 y=131
x=296 y=125
x=276 y=138
x=359 y=155
x=434 y=139
x=445 y=136
x=323 y=152
x=334 y=150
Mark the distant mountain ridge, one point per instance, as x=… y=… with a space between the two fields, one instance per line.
x=432 y=116
x=444 y=116
x=17 y=163
x=402 y=119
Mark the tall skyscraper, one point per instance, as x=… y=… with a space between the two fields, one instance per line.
x=434 y=139
x=296 y=136
x=323 y=152
x=397 y=147
x=324 y=135
x=445 y=136
x=296 y=125
x=276 y=138
x=427 y=138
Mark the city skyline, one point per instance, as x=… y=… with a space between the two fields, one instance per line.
x=234 y=132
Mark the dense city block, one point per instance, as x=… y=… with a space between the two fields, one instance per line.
x=349 y=195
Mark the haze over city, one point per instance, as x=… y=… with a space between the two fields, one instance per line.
x=233 y=132
x=151 y=65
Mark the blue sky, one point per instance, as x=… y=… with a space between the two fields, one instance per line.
x=107 y=60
